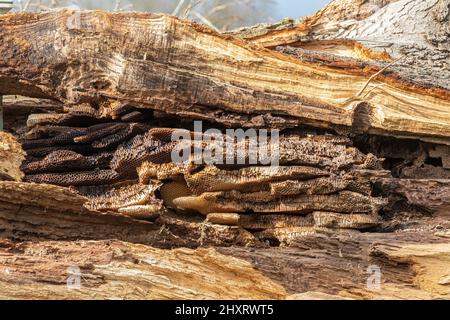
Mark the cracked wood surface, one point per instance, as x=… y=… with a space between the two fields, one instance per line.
x=90 y=55
x=45 y=228
x=118 y=270
x=373 y=30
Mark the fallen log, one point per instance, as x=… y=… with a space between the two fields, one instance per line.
x=98 y=165
x=91 y=54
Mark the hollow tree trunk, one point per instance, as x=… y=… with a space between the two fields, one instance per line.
x=100 y=196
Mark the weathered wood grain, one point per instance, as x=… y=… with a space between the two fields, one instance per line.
x=146 y=59
x=336 y=69
x=337 y=267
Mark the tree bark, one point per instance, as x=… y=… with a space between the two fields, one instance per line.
x=373 y=30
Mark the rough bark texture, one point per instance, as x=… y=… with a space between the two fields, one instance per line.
x=98 y=191
x=374 y=30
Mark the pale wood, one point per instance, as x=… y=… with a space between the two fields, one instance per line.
x=118 y=270
x=330 y=268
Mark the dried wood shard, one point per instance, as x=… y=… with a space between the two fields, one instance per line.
x=11 y=157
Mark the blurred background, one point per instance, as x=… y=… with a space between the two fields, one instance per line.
x=219 y=14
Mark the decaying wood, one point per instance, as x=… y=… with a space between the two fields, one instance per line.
x=98 y=163
x=430 y=194
x=11 y=157
x=336 y=267
x=118 y=270
x=90 y=54
x=31 y=211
